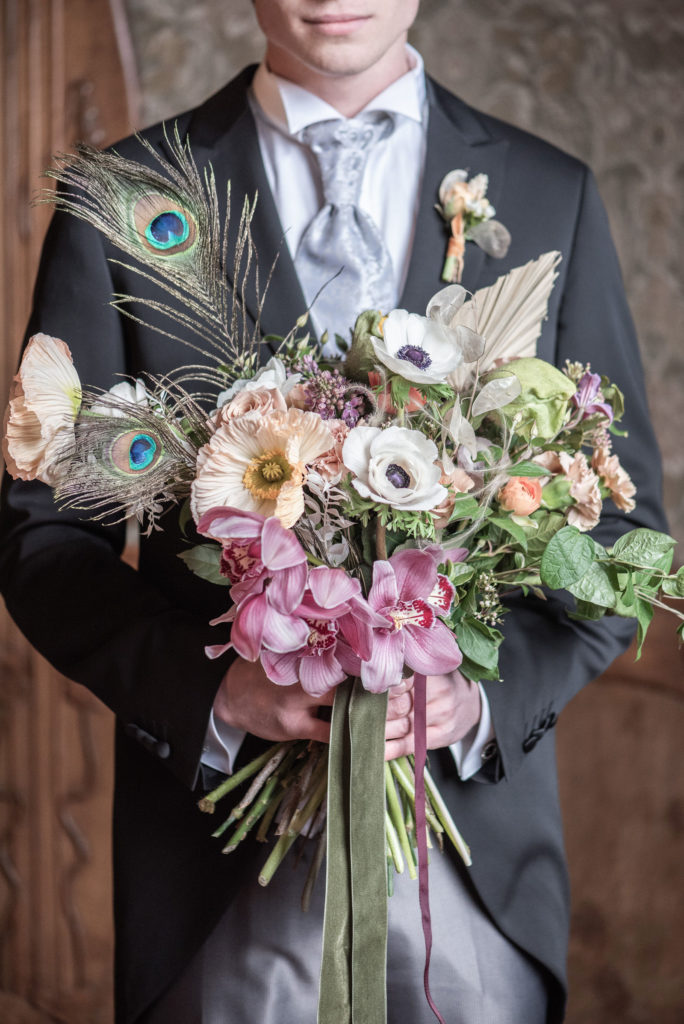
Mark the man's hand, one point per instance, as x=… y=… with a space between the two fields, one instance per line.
x=248 y=700
x=453 y=708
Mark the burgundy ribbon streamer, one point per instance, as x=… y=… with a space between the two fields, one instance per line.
x=420 y=733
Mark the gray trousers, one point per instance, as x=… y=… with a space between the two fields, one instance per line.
x=260 y=965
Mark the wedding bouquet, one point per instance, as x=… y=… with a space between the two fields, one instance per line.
x=367 y=515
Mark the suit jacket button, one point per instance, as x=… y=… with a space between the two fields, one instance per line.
x=489 y=751
x=162 y=749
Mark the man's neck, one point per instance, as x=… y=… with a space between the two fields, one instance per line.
x=347 y=92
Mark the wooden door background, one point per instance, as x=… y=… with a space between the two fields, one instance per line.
x=68 y=74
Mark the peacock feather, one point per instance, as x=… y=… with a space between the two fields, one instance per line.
x=133 y=458
x=167 y=219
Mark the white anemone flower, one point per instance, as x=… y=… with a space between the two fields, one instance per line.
x=396 y=467
x=271 y=376
x=125 y=392
x=45 y=398
x=417 y=348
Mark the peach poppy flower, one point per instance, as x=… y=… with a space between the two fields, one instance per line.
x=616 y=479
x=258 y=464
x=44 y=401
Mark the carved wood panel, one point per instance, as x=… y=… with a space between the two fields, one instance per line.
x=67 y=75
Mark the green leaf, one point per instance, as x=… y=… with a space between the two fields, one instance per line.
x=643 y=547
x=595 y=587
x=400 y=391
x=584 y=610
x=480 y=645
x=644 y=614
x=184 y=516
x=557 y=493
x=528 y=469
x=516 y=531
x=674 y=587
x=459 y=572
x=567 y=558
x=464 y=508
x=204 y=561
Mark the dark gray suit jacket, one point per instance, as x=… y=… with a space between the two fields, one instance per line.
x=136 y=639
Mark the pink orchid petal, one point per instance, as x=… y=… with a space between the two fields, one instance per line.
x=331 y=587
x=239 y=592
x=216 y=650
x=416 y=573
x=248 y=627
x=383 y=669
x=280 y=549
x=442 y=594
x=362 y=610
x=226 y=617
x=308 y=609
x=383 y=593
x=281 y=669
x=358 y=634
x=319 y=673
x=431 y=651
x=286 y=589
x=350 y=662
x=226 y=523
x=283 y=633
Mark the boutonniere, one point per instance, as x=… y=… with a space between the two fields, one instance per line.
x=468 y=214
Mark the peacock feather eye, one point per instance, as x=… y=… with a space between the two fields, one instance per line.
x=163 y=225
x=135 y=451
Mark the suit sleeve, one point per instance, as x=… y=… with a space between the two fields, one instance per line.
x=92 y=616
x=546 y=657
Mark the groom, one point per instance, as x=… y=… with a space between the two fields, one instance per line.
x=186 y=918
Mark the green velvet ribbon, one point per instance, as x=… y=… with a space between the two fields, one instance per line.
x=353 y=988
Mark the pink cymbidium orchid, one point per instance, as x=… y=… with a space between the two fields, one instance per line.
x=339 y=626
x=257 y=550
x=409 y=592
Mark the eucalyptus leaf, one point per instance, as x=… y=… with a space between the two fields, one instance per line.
x=567 y=558
x=585 y=610
x=204 y=560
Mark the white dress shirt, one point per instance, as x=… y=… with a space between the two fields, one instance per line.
x=390 y=194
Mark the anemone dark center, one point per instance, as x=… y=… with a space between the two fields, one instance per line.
x=397 y=475
x=416 y=355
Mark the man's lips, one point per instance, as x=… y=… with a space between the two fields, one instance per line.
x=337 y=24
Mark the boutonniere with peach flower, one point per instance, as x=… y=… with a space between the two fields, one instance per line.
x=469 y=216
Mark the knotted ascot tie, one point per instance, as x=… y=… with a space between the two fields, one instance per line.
x=342 y=236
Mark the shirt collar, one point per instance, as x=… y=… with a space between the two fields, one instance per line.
x=292 y=108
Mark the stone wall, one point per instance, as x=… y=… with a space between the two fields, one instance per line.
x=599 y=78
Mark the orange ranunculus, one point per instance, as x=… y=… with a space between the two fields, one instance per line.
x=521 y=495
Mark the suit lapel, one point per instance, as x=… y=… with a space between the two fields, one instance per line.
x=456 y=138
x=222 y=132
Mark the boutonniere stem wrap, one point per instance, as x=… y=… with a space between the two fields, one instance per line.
x=469 y=216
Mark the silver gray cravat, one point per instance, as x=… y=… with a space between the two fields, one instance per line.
x=342 y=237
